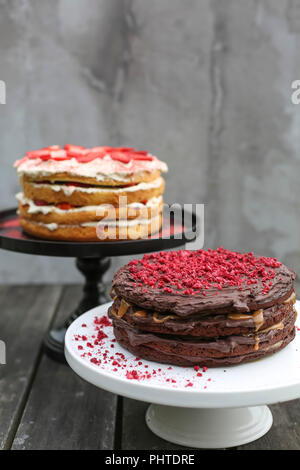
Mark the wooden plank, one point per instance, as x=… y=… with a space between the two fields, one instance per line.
x=285 y=432
x=63 y=411
x=26 y=313
x=133 y=420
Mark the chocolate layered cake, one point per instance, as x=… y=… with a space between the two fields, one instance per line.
x=209 y=308
x=87 y=194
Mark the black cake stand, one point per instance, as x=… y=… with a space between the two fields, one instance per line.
x=92 y=260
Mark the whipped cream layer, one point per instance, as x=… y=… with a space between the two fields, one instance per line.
x=99 y=168
x=69 y=190
x=48 y=209
x=106 y=223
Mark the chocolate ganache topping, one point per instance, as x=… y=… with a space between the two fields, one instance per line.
x=188 y=282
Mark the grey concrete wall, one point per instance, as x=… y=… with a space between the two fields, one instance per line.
x=204 y=84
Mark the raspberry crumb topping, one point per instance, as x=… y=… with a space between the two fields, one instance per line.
x=189 y=272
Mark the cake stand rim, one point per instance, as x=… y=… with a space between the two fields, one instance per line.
x=57 y=248
x=164 y=395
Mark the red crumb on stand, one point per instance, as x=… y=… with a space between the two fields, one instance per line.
x=102 y=321
x=101 y=335
x=133 y=374
x=96 y=346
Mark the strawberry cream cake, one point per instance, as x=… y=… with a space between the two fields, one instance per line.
x=90 y=194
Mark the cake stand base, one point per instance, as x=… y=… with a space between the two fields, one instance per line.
x=209 y=428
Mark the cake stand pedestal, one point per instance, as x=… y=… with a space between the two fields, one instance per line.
x=92 y=260
x=93 y=270
x=209 y=428
x=221 y=407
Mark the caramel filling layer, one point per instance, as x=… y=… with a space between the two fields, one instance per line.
x=140 y=314
x=163 y=319
x=291 y=299
x=257 y=317
x=277 y=326
x=124 y=306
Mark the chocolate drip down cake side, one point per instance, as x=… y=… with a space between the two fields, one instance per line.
x=209 y=308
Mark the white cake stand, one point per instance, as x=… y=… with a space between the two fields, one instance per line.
x=214 y=408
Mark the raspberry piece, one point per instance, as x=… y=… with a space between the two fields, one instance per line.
x=74 y=150
x=44 y=154
x=64 y=206
x=40 y=202
x=121 y=157
x=58 y=155
x=89 y=157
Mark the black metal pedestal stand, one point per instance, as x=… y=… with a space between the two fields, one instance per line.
x=93 y=270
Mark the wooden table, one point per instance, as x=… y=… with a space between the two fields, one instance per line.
x=44 y=405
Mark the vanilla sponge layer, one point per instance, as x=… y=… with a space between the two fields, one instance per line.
x=51 y=214
x=94 y=231
x=93 y=195
x=34 y=173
